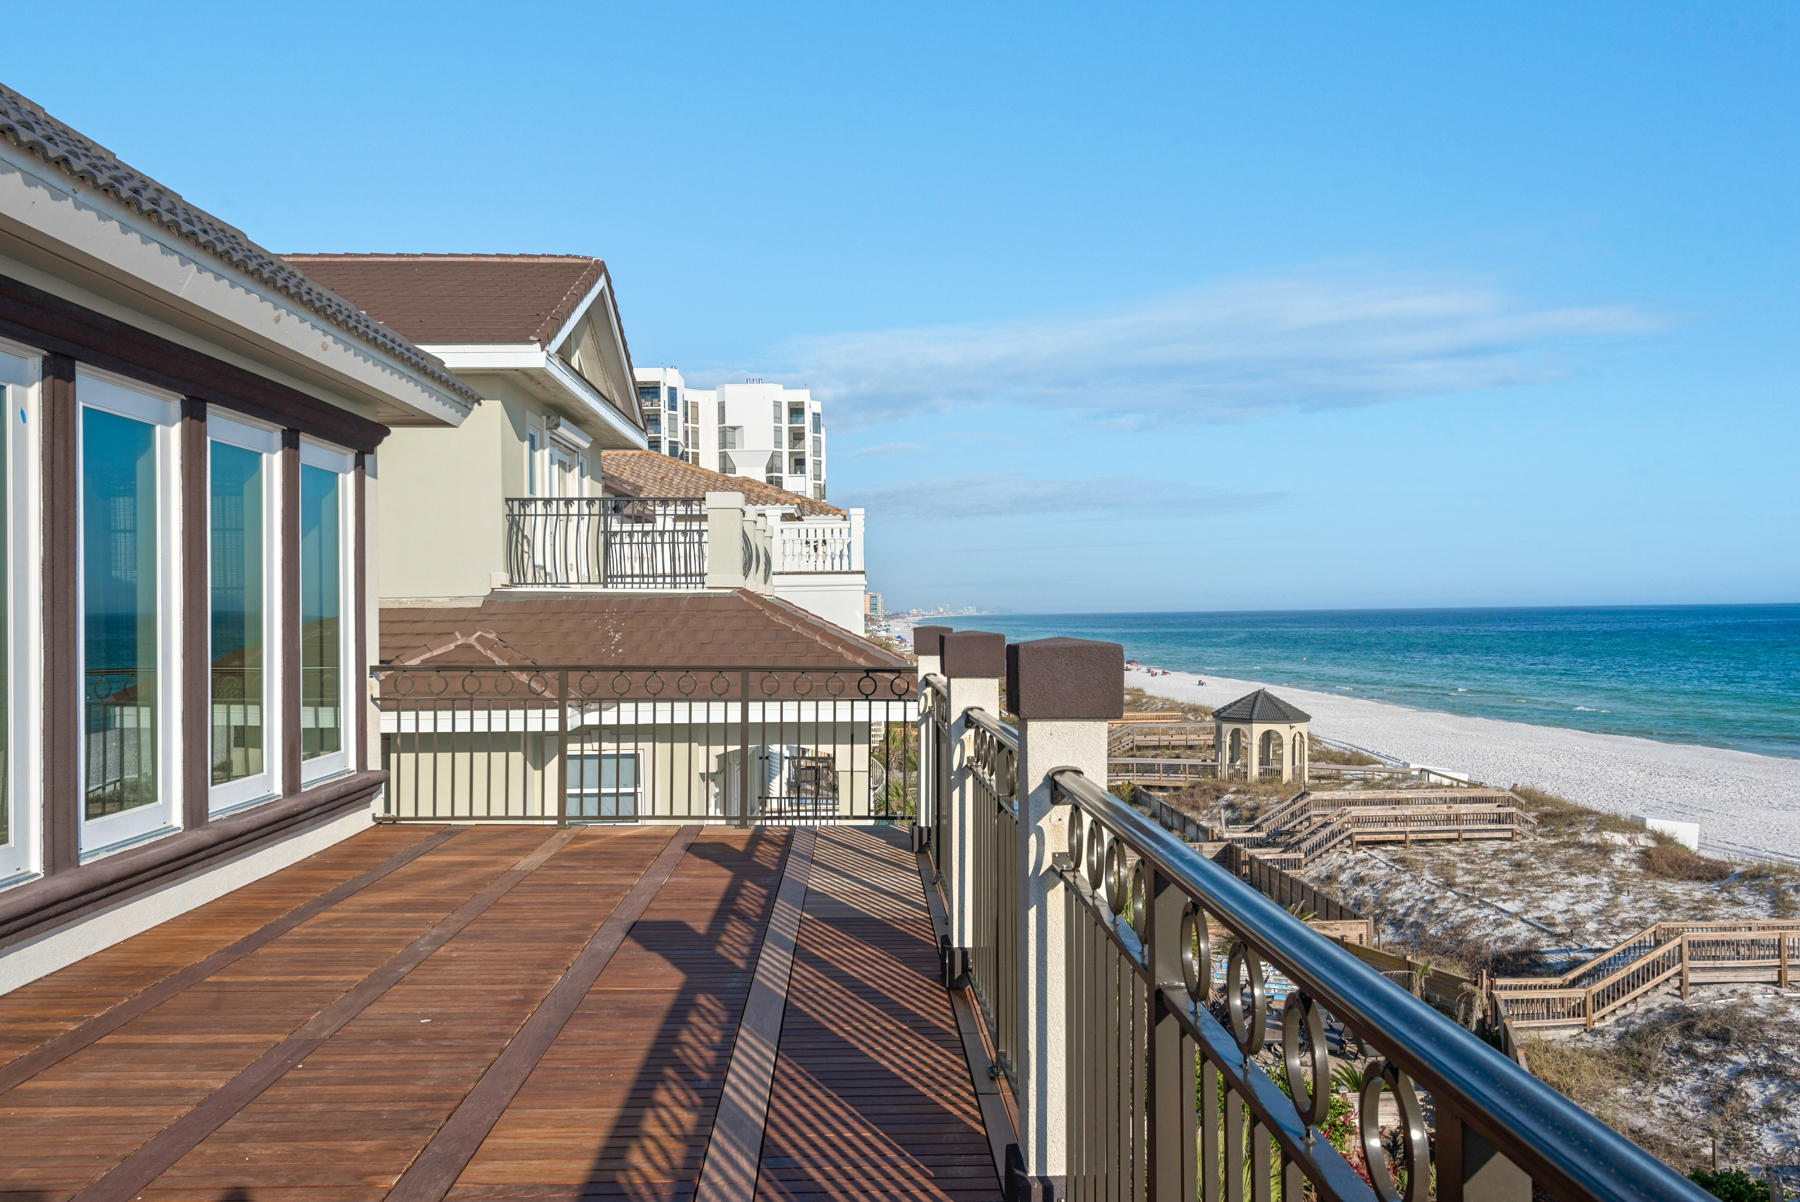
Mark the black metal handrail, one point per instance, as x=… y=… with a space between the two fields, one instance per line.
x=1119 y=866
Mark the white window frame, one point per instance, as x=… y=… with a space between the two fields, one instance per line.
x=20 y=542
x=162 y=411
x=265 y=441
x=535 y=438
x=336 y=763
x=636 y=792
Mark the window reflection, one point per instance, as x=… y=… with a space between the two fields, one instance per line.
x=120 y=611
x=235 y=536
x=321 y=593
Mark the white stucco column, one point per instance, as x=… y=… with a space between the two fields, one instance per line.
x=973 y=662
x=725 y=540
x=1063 y=691
x=856 y=540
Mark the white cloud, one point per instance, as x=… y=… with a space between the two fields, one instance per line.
x=1218 y=353
x=1018 y=495
x=889 y=448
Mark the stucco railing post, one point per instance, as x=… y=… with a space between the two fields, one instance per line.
x=972 y=663
x=856 y=540
x=1063 y=691
x=725 y=566
x=927 y=647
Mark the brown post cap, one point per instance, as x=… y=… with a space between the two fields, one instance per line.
x=974 y=653
x=927 y=640
x=1065 y=678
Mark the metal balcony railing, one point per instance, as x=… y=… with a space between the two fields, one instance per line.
x=607 y=542
x=1168 y=1032
x=645 y=744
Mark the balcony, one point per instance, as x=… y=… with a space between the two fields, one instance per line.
x=732 y=932
x=634 y=543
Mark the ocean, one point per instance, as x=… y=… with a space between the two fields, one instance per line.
x=1716 y=675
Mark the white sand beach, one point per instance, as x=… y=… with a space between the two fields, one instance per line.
x=1746 y=805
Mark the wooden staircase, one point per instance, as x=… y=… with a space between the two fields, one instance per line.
x=1691 y=952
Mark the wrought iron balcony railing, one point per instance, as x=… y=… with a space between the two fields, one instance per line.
x=1168 y=1032
x=648 y=744
x=607 y=542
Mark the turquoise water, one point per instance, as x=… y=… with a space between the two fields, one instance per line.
x=1718 y=675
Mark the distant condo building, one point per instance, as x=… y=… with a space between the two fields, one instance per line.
x=757 y=430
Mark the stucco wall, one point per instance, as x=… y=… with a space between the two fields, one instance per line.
x=443 y=516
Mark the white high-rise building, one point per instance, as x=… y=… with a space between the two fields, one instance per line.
x=755 y=429
x=668 y=406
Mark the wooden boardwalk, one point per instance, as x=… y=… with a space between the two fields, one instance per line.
x=510 y=1012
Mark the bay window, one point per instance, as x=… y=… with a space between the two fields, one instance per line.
x=242 y=591
x=127 y=539
x=326 y=683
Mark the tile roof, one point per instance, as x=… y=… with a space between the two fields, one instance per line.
x=30 y=128
x=653 y=474
x=448 y=299
x=734 y=629
x=1260 y=706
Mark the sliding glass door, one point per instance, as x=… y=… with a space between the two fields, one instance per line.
x=126 y=445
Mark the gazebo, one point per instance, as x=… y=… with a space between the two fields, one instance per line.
x=1260 y=733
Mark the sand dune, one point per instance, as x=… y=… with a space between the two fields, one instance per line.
x=1746 y=805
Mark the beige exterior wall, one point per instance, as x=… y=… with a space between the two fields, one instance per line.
x=443 y=517
x=688 y=768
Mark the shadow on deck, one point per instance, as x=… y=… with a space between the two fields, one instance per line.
x=513 y=1013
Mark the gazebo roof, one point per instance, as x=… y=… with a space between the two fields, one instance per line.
x=1260 y=706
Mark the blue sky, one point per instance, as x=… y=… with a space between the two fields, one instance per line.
x=1117 y=307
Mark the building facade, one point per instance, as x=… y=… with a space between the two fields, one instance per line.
x=756 y=430
x=540 y=339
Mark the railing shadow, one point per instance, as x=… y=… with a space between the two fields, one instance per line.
x=677 y=1093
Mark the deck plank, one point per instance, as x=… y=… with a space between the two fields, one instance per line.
x=599 y=1053
x=872 y=1096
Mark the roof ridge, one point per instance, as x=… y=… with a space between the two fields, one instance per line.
x=565 y=309
x=462 y=256
x=815 y=627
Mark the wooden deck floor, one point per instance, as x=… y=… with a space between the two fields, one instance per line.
x=514 y=1013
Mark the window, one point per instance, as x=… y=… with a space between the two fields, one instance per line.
x=653 y=423
x=674 y=401
x=647 y=394
x=241 y=539
x=324 y=628
x=532 y=443
x=818 y=427
x=18 y=836
x=127 y=644
x=603 y=785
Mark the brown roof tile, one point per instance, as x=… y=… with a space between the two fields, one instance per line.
x=652 y=474
x=29 y=127
x=735 y=629
x=448 y=299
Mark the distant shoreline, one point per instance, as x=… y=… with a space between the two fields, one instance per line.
x=1747 y=805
